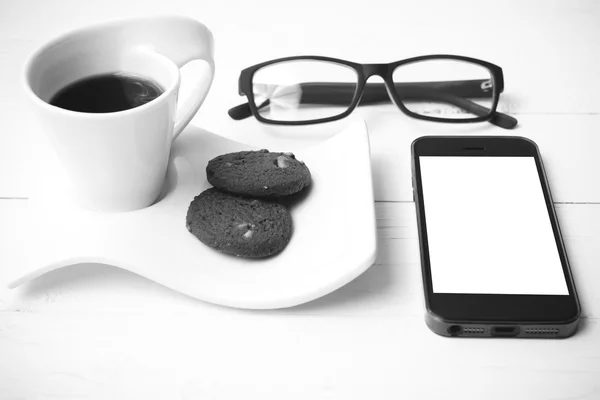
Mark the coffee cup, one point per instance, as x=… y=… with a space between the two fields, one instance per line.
x=117 y=160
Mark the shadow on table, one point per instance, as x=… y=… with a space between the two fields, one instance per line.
x=585 y=324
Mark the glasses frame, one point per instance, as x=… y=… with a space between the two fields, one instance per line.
x=364 y=72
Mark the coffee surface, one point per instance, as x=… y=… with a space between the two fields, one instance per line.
x=106 y=93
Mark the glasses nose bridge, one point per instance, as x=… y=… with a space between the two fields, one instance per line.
x=370 y=70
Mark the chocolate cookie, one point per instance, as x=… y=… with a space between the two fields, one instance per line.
x=238 y=225
x=258 y=173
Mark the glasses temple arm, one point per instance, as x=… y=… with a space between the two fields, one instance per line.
x=340 y=93
x=499 y=119
x=452 y=92
x=243 y=111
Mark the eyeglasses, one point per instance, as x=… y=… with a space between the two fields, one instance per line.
x=312 y=89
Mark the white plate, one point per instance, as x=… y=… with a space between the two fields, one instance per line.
x=334 y=237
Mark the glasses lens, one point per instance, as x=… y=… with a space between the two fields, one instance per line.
x=444 y=88
x=303 y=90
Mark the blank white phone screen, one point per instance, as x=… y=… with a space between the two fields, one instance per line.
x=488 y=228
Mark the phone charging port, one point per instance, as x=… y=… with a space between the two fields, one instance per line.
x=506 y=331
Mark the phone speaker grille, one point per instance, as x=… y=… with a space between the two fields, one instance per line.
x=541 y=331
x=473 y=331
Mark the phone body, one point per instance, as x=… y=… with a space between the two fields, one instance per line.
x=492 y=256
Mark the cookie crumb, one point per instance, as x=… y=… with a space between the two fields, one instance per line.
x=283 y=162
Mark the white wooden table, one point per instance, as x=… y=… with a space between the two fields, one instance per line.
x=97 y=332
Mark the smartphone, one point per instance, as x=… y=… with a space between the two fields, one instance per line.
x=492 y=256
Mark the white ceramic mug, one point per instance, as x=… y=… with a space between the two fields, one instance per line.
x=117 y=161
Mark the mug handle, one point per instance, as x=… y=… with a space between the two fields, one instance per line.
x=181 y=39
x=200 y=46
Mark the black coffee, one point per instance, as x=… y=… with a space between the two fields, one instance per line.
x=106 y=93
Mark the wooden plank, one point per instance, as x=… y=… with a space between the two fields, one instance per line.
x=258 y=355
x=98 y=332
x=549 y=57
x=568 y=145
x=392 y=286
x=548 y=54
